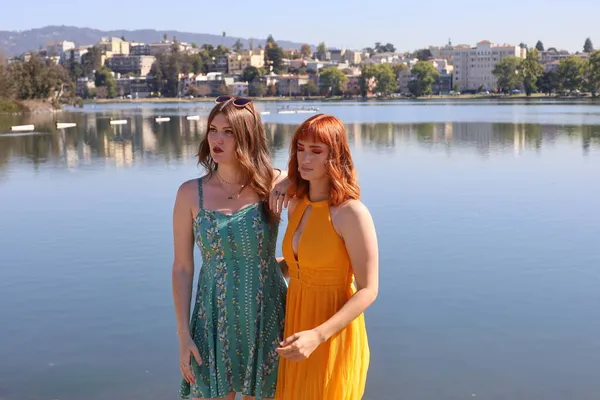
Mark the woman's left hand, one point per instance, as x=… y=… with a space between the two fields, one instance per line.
x=300 y=345
x=279 y=198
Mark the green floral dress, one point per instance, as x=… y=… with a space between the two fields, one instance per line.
x=238 y=317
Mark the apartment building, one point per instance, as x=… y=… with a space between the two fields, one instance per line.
x=161 y=47
x=473 y=66
x=136 y=87
x=291 y=85
x=76 y=53
x=237 y=62
x=140 y=49
x=113 y=46
x=445 y=52
x=336 y=55
x=552 y=55
x=352 y=57
x=139 y=65
x=59 y=49
x=219 y=64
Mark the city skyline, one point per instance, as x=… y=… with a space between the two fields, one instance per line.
x=462 y=22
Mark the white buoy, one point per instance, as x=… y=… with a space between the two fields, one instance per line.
x=118 y=121
x=64 y=125
x=22 y=128
x=162 y=119
x=265 y=112
x=192 y=117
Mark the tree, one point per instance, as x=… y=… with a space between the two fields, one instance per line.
x=104 y=77
x=250 y=74
x=424 y=54
x=172 y=74
x=273 y=55
x=220 y=51
x=386 y=48
x=39 y=79
x=531 y=71
x=157 y=70
x=310 y=89
x=593 y=73
x=539 y=46
x=549 y=82
x=75 y=69
x=92 y=60
x=399 y=69
x=332 y=81
x=571 y=73
x=387 y=82
x=588 y=47
x=197 y=65
x=384 y=75
x=508 y=73
x=258 y=89
x=321 y=51
x=424 y=75
x=6 y=83
x=237 y=46
x=367 y=73
x=305 y=50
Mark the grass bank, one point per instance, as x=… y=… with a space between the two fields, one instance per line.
x=11 y=107
x=27 y=106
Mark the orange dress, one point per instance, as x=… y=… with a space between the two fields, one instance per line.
x=321 y=281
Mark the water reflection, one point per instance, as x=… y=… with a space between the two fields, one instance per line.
x=96 y=140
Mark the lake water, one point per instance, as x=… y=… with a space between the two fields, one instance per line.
x=488 y=221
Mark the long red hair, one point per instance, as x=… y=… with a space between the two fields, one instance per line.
x=330 y=131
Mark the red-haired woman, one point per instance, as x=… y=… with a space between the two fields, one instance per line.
x=330 y=248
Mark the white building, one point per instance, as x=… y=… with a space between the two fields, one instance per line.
x=473 y=66
x=384 y=58
x=58 y=49
x=77 y=53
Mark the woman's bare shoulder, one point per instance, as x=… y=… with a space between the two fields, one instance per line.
x=349 y=215
x=188 y=191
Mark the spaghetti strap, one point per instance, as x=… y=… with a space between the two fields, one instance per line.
x=200 y=193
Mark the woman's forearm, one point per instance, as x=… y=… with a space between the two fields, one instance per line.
x=182 y=296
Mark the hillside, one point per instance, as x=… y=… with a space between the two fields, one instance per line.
x=15 y=43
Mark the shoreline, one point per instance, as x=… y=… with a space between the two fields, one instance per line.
x=16 y=107
x=339 y=99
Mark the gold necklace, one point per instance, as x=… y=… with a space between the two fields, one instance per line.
x=236 y=193
x=224 y=181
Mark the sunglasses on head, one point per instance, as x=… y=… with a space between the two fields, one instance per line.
x=237 y=101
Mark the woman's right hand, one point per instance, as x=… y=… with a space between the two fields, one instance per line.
x=187 y=350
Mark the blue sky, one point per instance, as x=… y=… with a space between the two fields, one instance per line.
x=349 y=23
